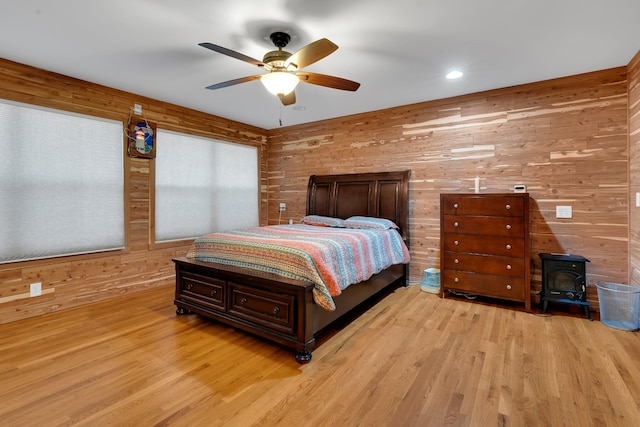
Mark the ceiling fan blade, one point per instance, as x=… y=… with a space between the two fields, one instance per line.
x=328 y=81
x=311 y=53
x=288 y=99
x=232 y=53
x=234 y=82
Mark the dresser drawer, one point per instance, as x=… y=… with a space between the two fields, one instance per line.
x=480 y=225
x=273 y=310
x=203 y=290
x=504 y=266
x=494 y=245
x=484 y=205
x=509 y=288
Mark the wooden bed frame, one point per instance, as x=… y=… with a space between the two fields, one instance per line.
x=280 y=309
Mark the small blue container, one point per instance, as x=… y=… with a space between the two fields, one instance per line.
x=619 y=305
x=431 y=280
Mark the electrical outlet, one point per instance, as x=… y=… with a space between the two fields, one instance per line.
x=283 y=207
x=35 y=289
x=137 y=109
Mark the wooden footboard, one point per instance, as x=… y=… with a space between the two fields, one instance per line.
x=270 y=306
x=275 y=308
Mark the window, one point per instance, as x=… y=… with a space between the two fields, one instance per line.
x=202 y=186
x=61 y=183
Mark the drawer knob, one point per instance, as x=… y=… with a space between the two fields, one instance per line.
x=276 y=310
x=508 y=266
x=190 y=286
x=456 y=260
x=455 y=242
x=508 y=246
x=456 y=280
x=455 y=205
x=455 y=224
x=508 y=207
x=508 y=286
x=243 y=300
x=214 y=292
x=508 y=226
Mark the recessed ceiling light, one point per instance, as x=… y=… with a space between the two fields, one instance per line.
x=455 y=74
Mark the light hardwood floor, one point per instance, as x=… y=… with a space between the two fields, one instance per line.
x=412 y=360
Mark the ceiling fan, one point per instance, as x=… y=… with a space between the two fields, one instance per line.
x=283 y=67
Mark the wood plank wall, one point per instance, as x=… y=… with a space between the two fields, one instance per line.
x=634 y=169
x=565 y=139
x=72 y=281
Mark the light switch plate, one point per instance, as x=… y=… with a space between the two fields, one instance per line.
x=564 y=212
x=638 y=200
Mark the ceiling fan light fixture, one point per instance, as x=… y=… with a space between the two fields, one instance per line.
x=280 y=82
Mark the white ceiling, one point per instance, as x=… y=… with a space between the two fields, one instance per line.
x=399 y=50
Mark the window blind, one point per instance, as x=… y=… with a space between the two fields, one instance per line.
x=203 y=185
x=61 y=183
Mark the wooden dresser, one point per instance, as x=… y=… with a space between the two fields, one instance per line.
x=485 y=245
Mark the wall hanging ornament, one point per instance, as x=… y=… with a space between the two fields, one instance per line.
x=142 y=139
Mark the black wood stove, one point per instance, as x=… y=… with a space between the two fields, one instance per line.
x=564 y=280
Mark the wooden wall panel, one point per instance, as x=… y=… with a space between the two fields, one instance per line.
x=565 y=139
x=634 y=169
x=72 y=281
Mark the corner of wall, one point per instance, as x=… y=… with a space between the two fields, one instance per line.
x=633 y=125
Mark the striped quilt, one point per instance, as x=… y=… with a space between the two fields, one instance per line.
x=331 y=258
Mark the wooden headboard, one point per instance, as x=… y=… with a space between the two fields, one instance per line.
x=378 y=194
